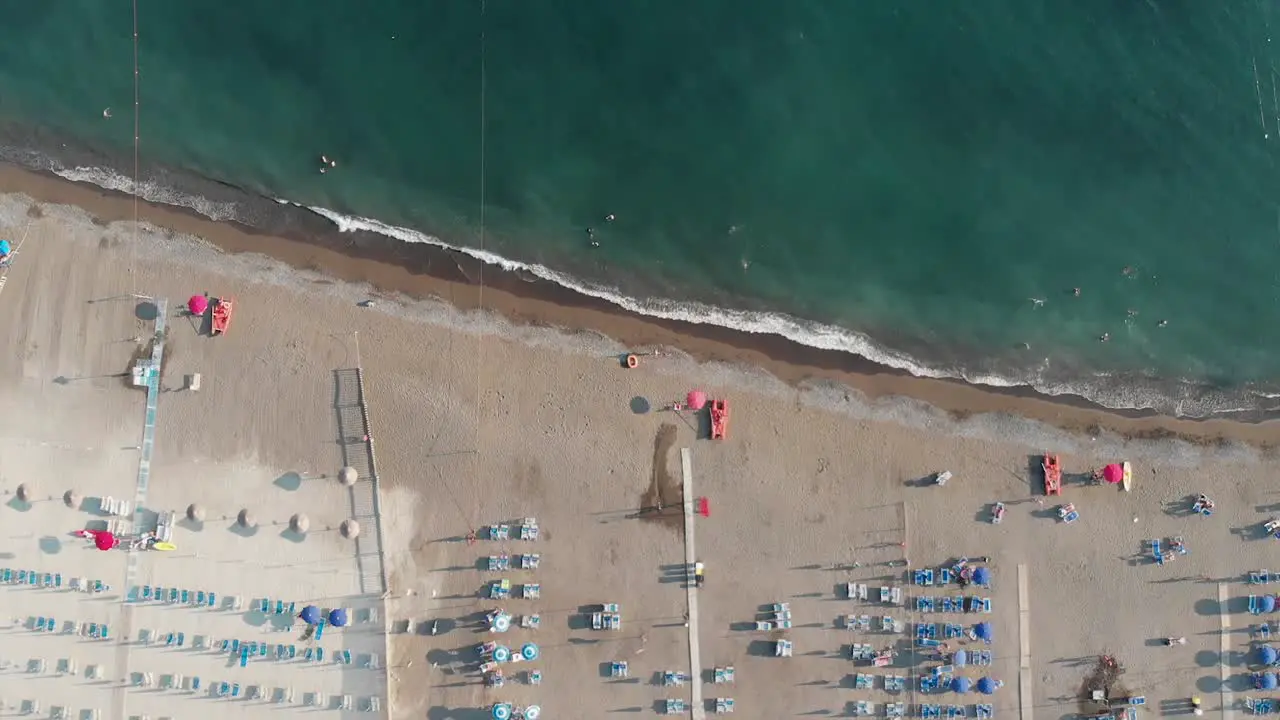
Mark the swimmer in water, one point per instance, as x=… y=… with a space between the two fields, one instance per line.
x=1162 y=323
x=1104 y=337
x=106 y=113
x=591 y=236
x=1076 y=292
x=1132 y=312
x=610 y=217
x=1036 y=301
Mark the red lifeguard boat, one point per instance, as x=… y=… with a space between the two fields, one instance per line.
x=1052 y=475
x=719 y=419
x=222 y=309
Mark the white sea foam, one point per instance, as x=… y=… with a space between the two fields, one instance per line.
x=1101 y=388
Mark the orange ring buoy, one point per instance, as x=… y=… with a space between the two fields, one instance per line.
x=633 y=362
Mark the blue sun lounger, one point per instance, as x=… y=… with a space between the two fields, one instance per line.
x=224 y=687
x=182 y=638
x=924 y=603
x=1259 y=577
x=262 y=650
x=319 y=654
x=213 y=600
x=265 y=605
x=1156 y=552
x=244 y=656
x=50 y=625
x=279 y=607
x=926 y=630
x=928 y=711
x=235 y=690
x=320 y=629
x=954 y=712
x=924 y=576
x=1255 y=606
x=344 y=657
x=309 y=654
x=984 y=711
x=944 y=576
x=146 y=592
x=195 y=682
x=293 y=651
x=928 y=684
x=168 y=639
x=186 y=597
x=48 y=580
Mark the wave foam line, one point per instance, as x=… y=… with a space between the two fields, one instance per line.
x=1104 y=389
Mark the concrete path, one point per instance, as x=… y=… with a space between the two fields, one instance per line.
x=1025 y=687
x=1224 y=651
x=691 y=557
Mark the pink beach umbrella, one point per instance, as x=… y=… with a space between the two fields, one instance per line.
x=198 y=304
x=697 y=399
x=104 y=540
x=1113 y=473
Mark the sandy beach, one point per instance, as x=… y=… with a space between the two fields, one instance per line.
x=483 y=418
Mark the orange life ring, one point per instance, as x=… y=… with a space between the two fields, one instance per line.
x=633 y=362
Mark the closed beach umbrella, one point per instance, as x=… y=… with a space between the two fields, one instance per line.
x=533 y=712
x=697 y=399
x=501 y=711
x=104 y=540
x=338 y=617
x=299 y=523
x=198 y=304
x=983 y=631
x=310 y=614
x=987 y=686
x=348 y=476
x=982 y=576
x=1268 y=603
x=529 y=651
x=72 y=498
x=960 y=659
x=1113 y=473
x=960 y=685
x=1267 y=655
x=246 y=518
x=195 y=512
x=24 y=492
x=349 y=529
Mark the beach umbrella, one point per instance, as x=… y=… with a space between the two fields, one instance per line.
x=501 y=711
x=1267 y=655
x=246 y=518
x=1113 y=473
x=350 y=529
x=982 y=631
x=195 y=512
x=5 y=248
x=532 y=712
x=960 y=659
x=348 y=476
x=1268 y=681
x=501 y=654
x=338 y=617
x=982 y=576
x=501 y=623
x=960 y=684
x=72 y=498
x=529 y=651
x=198 y=304
x=310 y=614
x=1268 y=603
x=987 y=686
x=104 y=540
x=299 y=523
x=697 y=399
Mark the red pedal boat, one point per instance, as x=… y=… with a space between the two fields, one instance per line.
x=719 y=419
x=222 y=309
x=1052 y=475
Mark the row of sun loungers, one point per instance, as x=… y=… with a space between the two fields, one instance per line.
x=97 y=631
x=31 y=577
x=522 y=561
x=176 y=596
x=527 y=530
x=981 y=711
x=112 y=506
x=957 y=604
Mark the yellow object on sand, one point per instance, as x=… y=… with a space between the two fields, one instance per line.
x=1128 y=477
x=165 y=546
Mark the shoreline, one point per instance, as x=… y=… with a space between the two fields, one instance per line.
x=390 y=265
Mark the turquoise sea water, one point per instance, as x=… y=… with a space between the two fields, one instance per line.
x=896 y=179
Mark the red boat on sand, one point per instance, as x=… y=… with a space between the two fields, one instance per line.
x=719 y=419
x=222 y=309
x=1052 y=475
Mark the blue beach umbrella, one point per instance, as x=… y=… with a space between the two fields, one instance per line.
x=987 y=686
x=501 y=654
x=982 y=576
x=960 y=684
x=1268 y=603
x=4 y=247
x=501 y=711
x=310 y=614
x=983 y=631
x=1268 y=681
x=1267 y=655
x=338 y=617
x=960 y=659
x=533 y=712
x=529 y=651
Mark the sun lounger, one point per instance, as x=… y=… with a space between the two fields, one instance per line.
x=863 y=681
x=235 y=690
x=929 y=710
x=928 y=684
x=984 y=711
x=618 y=669
x=674 y=706
x=1262 y=632
x=895 y=710
x=864 y=708
x=168 y=640
x=213 y=600
x=195 y=682
x=1067 y=513
x=244 y=656
x=924 y=576
x=182 y=638
x=1255 y=605
x=280 y=607
x=924 y=603
x=1259 y=577
x=57 y=580
x=954 y=712
x=724 y=706
x=343 y=657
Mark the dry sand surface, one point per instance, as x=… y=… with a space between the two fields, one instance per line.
x=477 y=422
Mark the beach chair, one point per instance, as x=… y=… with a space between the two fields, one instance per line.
x=924 y=576
x=925 y=603
x=200 y=597
x=1255 y=605
x=57 y=581
x=530 y=561
x=1156 y=553
x=984 y=711
x=265 y=606
x=320 y=629
x=93 y=630
x=985 y=604
x=895 y=710
x=6 y=575
x=954 y=712
x=948 y=606
x=235 y=690
x=674 y=706
x=944 y=576
x=146 y=592
x=895 y=596
x=724 y=706
x=244 y=656
x=864 y=708
x=884 y=594
x=195 y=683
x=499 y=532
x=186 y=597
x=531 y=622
x=863 y=681
x=928 y=684
x=319 y=654
x=182 y=638
x=168 y=640
x=672 y=678
x=1067 y=513
x=279 y=607
x=262 y=649
x=309 y=655
x=929 y=711
x=531 y=591
x=895 y=683
x=213 y=600
x=618 y=669
x=343 y=657
x=927 y=643
x=1259 y=577
x=293 y=651
x=952 y=630
x=1261 y=632
x=723 y=675
x=981 y=657
x=48 y=580
x=173 y=595
x=926 y=630
x=783 y=648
